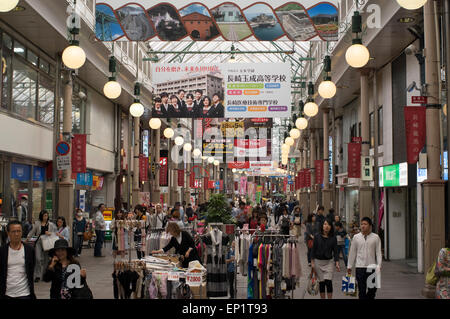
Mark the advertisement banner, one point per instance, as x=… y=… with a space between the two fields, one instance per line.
x=318 y=165
x=415 y=130
x=354 y=160
x=143 y=168
x=307 y=177
x=258 y=195
x=250 y=148
x=393 y=175
x=181 y=177
x=144 y=198
x=239 y=165
x=79 y=153
x=250 y=90
x=163 y=172
x=243 y=188
x=182 y=20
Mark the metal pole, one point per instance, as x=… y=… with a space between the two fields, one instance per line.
x=375 y=160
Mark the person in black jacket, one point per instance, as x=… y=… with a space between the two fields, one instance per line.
x=183 y=243
x=218 y=108
x=57 y=271
x=322 y=254
x=17 y=261
x=176 y=110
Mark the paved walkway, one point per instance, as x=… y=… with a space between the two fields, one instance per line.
x=398 y=280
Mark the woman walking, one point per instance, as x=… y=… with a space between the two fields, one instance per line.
x=297 y=221
x=79 y=227
x=57 y=272
x=42 y=227
x=443 y=273
x=62 y=230
x=325 y=257
x=139 y=213
x=309 y=235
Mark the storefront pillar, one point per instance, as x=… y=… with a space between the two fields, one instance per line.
x=433 y=187
x=65 y=189
x=136 y=188
x=365 y=191
x=156 y=192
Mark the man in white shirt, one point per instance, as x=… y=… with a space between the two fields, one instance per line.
x=100 y=228
x=365 y=255
x=157 y=219
x=17 y=263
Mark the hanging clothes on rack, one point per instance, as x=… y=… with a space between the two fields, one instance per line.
x=216 y=242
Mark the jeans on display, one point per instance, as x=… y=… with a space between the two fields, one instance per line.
x=100 y=238
x=230 y=277
x=78 y=243
x=342 y=248
x=361 y=279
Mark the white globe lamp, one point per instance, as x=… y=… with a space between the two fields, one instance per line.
x=187 y=147
x=311 y=108
x=197 y=152
x=154 y=123
x=327 y=89
x=411 y=4
x=8 y=5
x=112 y=89
x=289 y=141
x=295 y=133
x=179 y=140
x=73 y=56
x=357 y=54
x=168 y=133
x=210 y=160
x=136 y=109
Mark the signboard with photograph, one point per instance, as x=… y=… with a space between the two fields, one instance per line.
x=222 y=90
x=302 y=20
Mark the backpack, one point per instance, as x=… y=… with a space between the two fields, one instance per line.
x=285 y=223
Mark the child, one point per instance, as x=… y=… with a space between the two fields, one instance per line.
x=231 y=269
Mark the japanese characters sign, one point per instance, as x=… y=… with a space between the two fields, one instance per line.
x=354 y=160
x=79 y=153
x=415 y=126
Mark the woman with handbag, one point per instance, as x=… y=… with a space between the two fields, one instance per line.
x=309 y=235
x=58 y=273
x=79 y=227
x=42 y=228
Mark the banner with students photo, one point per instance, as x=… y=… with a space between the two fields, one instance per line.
x=231 y=90
x=249 y=20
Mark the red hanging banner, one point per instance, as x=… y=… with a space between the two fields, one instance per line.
x=354 y=160
x=415 y=127
x=318 y=164
x=79 y=153
x=302 y=178
x=192 y=179
x=307 y=177
x=163 y=178
x=206 y=182
x=181 y=177
x=285 y=181
x=143 y=168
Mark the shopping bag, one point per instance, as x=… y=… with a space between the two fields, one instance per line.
x=310 y=243
x=48 y=242
x=431 y=277
x=348 y=285
x=313 y=285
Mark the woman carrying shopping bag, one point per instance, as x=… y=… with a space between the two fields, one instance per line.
x=41 y=228
x=325 y=258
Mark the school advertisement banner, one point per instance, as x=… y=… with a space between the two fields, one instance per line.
x=182 y=20
x=220 y=90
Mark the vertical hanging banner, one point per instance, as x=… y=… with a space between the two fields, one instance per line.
x=163 y=172
x=79 y=153
x=415 y=126
x=318 y=164
x=354 y=160
x=143 y=168
x=182 y=20
x=192 y=179
x=307 y=177
x=181 y=177
x=285 y=182
x=243 y=188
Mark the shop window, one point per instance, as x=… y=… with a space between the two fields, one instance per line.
x=6 y=71
x=44 y=66
x=32 y=58
x=46 y=99
x=38 y=190
x=19 y=49
x=24 y=90
x=20 y=190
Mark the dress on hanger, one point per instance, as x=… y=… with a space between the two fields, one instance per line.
x=216 y=244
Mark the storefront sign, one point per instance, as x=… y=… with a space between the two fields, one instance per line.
x=145 y=143
x=85 y=179
x=250 y=148
x=415 y=128
x=108 y=215
x=20 y=172
x=318 y=165
x=330 y=159
x=419 y=99
x=393 y=175
x=354 y=160
x=239 y=165
x=366 y=168
x=163 y=172
x=79 y=153
x=182 y=20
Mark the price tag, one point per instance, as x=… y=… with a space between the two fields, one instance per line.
x=194 y=280
x=173 y=276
